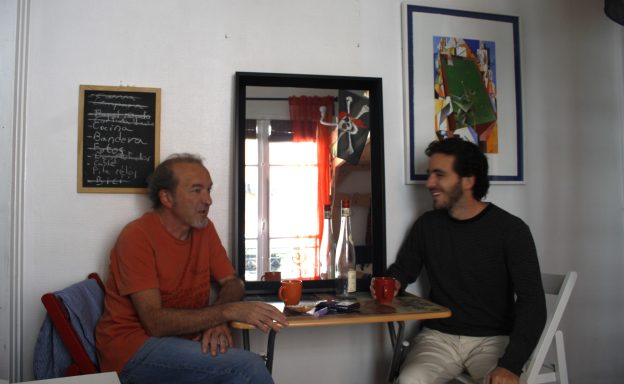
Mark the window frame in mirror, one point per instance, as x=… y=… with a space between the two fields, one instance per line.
x=378 y=221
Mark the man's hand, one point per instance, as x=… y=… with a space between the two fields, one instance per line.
x=500 y=375
x=216 y=339
x=261 y=315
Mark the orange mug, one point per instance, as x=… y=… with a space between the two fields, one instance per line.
x=290 y=292
x=271 y=276
x=384 y=289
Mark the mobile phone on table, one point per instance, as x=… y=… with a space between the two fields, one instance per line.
x=347 y=305
x=340 y=306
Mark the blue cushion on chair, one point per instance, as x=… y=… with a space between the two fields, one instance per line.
x=84 y=302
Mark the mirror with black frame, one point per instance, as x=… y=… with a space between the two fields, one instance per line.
x=304 y=142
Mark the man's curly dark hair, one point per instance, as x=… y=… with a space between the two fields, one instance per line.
x=469 y=161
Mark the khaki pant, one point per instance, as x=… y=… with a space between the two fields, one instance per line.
x=436 y=357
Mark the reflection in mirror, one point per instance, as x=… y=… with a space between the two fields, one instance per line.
x=305 y=142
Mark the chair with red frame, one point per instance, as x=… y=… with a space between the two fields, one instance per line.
x=71 y=328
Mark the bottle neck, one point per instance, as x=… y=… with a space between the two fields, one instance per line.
x=327 y=228
x=345 y=224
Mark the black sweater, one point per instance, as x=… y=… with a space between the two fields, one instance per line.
x=484 y=269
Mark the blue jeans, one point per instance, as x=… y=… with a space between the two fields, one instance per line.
x=177 y=360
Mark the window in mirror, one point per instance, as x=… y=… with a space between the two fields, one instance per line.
x=281 y=229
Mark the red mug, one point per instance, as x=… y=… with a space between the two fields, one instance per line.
x=290 y=292
x=384 y=289
x=271 y=276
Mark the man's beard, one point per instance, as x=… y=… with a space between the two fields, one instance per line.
x=453 y=195
x=200 y=223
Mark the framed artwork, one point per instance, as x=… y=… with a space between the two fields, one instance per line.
x=462 y=79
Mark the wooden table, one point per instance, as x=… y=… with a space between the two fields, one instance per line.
x=403 y=308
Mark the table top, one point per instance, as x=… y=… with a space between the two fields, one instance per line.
x=402 y=308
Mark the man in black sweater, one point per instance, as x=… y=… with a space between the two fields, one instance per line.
x=482 y=264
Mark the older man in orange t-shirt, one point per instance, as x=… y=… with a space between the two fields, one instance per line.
x=158 y=326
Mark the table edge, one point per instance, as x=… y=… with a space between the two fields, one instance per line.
x=349 y=319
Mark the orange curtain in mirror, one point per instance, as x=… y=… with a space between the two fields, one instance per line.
x=305 y=121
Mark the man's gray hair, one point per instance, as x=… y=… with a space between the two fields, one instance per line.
x=163 y=176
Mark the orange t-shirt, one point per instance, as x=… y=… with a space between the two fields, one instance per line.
x=147 y=256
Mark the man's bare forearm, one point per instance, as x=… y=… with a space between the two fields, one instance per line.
x=176 y=322
x=162 y=321
x=231 y=290
x=159 y=321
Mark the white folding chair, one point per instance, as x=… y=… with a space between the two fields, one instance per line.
x=537 y=371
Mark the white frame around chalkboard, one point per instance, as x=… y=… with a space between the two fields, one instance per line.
x=81 y=137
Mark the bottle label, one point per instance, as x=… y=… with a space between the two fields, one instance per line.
x=351 y=285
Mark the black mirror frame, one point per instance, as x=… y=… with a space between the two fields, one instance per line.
x=378 y=221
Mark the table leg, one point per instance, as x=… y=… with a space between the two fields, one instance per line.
x=392 y=333
x=270 y=348
x=246 y=339
x=397 y=344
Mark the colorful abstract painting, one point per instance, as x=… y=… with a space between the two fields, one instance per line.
x=465 y=90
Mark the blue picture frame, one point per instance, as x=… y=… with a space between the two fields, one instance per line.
x=488 y=46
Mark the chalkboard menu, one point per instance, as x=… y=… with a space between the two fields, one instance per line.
x=119 y=135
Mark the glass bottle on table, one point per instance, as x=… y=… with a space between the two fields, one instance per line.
x=345 y=256
x=328 y=247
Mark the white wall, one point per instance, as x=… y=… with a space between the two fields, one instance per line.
x=573 y=79
x=7 y=69
x=9 y=112
x=573 y=200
